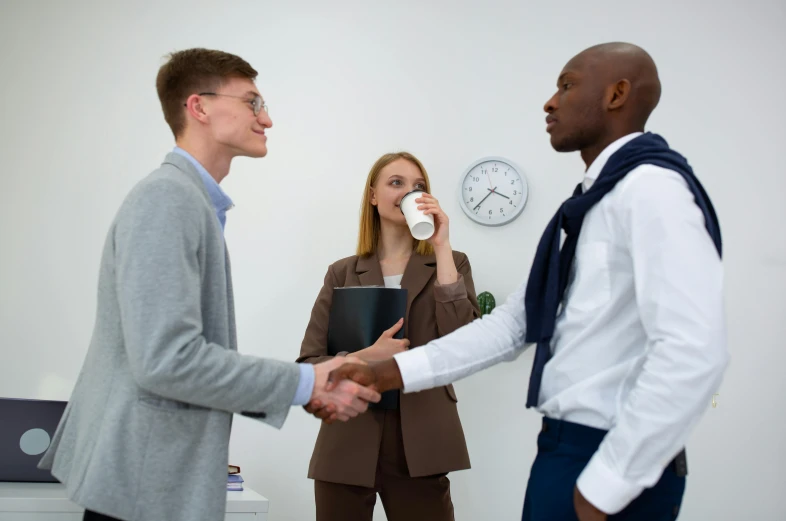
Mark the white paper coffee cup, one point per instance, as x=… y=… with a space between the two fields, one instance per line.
x=421 y=226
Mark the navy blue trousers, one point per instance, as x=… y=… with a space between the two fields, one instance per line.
x=564 y=449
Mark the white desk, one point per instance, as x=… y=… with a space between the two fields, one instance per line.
x=48 y=502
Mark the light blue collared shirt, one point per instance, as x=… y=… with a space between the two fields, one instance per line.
x=222 y=203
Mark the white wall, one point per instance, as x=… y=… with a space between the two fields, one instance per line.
x=450 y=82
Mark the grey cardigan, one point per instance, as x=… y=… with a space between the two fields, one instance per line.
x=145 y=436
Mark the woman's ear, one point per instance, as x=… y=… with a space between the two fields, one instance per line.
x=372 y=197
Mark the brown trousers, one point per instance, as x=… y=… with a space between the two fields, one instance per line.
x=403 y=497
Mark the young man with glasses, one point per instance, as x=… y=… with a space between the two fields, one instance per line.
x=145 y=435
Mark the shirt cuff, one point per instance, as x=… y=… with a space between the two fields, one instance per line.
x=606 y=490
x=415 y=369
x=305 y=386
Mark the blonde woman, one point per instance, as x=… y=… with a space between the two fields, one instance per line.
x=402 y=454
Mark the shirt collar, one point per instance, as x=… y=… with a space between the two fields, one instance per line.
x=221 y=201
x=592 y=173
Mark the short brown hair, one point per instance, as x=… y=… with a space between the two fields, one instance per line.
x=368 y=237
x=193 y=71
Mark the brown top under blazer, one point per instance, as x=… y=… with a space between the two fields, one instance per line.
x=433 y=437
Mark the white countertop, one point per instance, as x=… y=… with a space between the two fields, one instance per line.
x=51 y=497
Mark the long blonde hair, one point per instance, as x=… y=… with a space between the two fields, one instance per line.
x=368 y=238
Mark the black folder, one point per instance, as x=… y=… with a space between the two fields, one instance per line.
x=358 y=317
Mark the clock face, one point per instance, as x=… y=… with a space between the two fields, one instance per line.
x=493 y=191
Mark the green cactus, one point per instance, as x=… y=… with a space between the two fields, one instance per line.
x=486 y=302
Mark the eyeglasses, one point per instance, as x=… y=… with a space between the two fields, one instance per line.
x=257 y=103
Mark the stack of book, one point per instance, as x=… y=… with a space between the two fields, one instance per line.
x=234 y=479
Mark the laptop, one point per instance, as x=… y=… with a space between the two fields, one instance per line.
x=26 y=430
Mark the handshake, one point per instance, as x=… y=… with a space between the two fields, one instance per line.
x=344 y=386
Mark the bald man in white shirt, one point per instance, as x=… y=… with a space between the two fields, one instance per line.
x=627 y=316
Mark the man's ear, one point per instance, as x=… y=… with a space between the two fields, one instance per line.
x=196 y=109
x=618 y=94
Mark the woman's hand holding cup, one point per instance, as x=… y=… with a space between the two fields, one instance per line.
x=429 y=205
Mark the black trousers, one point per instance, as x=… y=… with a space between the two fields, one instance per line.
x=94 y=516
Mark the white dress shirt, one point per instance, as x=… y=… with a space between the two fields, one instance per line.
x=639 y=344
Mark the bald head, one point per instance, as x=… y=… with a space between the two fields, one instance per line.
x=604 y=92
x=617 y=62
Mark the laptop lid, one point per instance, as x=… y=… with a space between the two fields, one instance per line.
x=26 y=430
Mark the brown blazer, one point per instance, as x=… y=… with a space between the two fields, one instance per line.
x=433 y=438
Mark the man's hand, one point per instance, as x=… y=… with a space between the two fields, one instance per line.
x=585 y=510
x=340 y=402
x=382 y=376
x=385 y=347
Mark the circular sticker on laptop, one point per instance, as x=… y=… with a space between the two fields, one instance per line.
x=34 y=442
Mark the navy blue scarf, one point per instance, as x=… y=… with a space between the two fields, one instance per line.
x=548 y=277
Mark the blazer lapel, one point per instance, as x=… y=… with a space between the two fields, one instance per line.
x=368 y=271
x=417 y=274
x=230 y=302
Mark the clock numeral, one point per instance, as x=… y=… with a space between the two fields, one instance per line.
x=470 y=188
x=490 y=211
x=512 y=181
x=476 y=179
x=515 y=192
x=510 y=202
x=472 y=200
x=494 y=169
x=501 y=210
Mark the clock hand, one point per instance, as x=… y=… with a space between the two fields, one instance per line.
x=495 y=192
x=481 y=201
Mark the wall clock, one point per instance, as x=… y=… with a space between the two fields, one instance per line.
x=493 y=191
